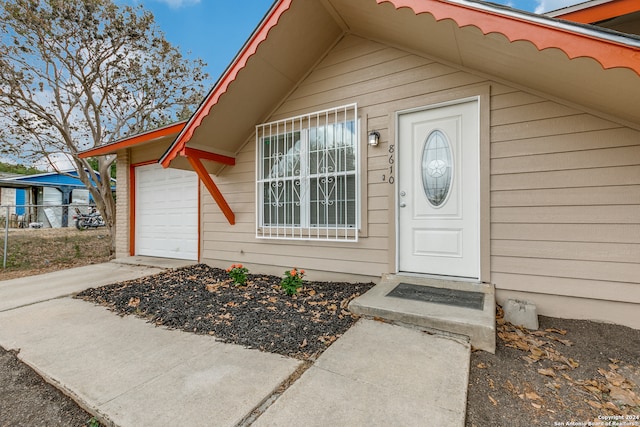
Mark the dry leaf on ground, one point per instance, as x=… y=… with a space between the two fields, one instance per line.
x=547 y=372
x=532 y=396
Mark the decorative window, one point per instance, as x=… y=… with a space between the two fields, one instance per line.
x=436 y=168
x=307 y=176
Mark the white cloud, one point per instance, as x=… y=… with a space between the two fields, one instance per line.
x=176 y=4
x=549 y=5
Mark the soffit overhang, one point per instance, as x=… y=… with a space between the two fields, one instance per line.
x=581 y=64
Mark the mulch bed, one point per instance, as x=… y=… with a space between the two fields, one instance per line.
x=204 y=300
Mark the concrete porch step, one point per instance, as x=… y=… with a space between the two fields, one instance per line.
x=478 y=323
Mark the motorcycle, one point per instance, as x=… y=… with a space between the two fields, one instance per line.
x=91 y=220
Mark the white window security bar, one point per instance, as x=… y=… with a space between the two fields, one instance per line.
x=308 y=176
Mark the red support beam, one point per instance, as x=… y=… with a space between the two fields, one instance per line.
x=219 y=158
x=203 y=174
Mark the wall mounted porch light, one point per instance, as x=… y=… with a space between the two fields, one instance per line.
x=374 y=138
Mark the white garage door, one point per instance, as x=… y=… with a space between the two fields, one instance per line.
x=166 y=212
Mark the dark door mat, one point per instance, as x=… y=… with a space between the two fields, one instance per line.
x=466 y=299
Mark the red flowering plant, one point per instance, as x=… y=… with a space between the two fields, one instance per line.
x=238 y=273
x=292 y=281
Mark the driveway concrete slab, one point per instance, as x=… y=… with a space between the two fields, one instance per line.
x=133 y=373
x=379 y=374
x=30 y=290
x=150 y=261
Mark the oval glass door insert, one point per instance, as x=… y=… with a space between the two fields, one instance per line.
x=437 y=173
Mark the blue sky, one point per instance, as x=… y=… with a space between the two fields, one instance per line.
x=215 y=30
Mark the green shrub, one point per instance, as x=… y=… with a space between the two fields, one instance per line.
x=292 y=281
x=238 y=273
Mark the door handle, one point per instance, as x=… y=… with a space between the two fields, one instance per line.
x=403 y=205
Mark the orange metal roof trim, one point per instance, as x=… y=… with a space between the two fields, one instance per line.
x=249 y=50
x=608 y=53
x=590 y=15
x=133 y=140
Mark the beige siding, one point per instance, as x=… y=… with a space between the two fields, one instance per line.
x=565 y=208
x=122 y=204
x=379 y=79
x=565 y=184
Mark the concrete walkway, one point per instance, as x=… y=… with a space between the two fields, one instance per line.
x=131 y=373
x=379 y=374
x=16 y=293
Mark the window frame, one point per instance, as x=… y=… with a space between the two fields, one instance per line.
x=342 y=120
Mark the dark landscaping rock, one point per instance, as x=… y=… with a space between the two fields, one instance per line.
x=203 y=300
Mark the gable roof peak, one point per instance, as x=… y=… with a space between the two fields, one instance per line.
x=285 y=30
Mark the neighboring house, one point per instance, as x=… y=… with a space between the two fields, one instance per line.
x=8 y=195
x=452 y=138
x=618 y=15
x=45 y=189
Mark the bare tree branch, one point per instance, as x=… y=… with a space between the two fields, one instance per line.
x=77 y=74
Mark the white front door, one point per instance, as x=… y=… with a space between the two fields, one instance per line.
x=438 y=191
